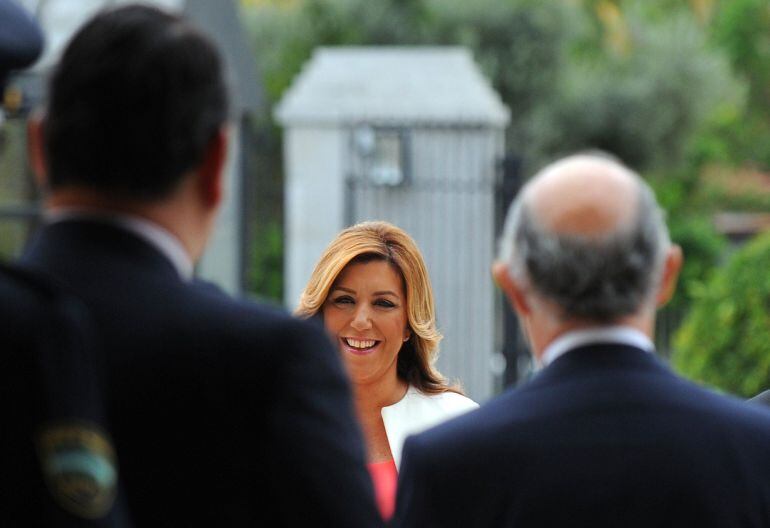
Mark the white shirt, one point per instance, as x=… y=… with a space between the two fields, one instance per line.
x=416 y=412
x=622 y=335
x=158 y=237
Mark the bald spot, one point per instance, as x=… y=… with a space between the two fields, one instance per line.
x=583 y=195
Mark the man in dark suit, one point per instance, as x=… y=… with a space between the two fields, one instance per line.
x=604 y=435
x=223 y=413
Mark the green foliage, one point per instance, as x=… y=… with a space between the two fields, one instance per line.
x=702 y=247
x=266 y=277
x=733 y=135
x=716 y=197
x=725 y=341
x=742 y=29
x=283 y=40
x=521 y=46
x=723 y=138
x=565 y=91
x=285 y=36
x=693 y=231
x=643 y=106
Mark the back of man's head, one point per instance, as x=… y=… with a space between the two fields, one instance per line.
x=135 y=99
x=587 y=236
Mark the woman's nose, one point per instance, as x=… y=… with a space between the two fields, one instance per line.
x=361 y=320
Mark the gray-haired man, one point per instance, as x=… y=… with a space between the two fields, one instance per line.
x=604 y=434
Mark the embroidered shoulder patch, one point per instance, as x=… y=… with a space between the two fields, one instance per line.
x=79 y=466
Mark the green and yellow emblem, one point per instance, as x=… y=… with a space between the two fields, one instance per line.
x=80 y=468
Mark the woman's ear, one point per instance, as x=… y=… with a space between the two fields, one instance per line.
x=407 y=334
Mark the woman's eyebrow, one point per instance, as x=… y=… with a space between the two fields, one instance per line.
x=350 y=290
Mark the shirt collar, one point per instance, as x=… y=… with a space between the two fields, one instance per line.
x=622 y=335
x=158 y=237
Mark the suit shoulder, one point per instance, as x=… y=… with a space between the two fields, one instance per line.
x=733 y=411
x=246 y=322
x=762 y=397
x=210 y=298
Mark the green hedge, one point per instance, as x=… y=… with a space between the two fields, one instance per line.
x=725 y=340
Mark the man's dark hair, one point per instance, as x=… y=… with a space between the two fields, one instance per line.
x=137 y=96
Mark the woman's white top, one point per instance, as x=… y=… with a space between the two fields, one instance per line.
x=416 y=412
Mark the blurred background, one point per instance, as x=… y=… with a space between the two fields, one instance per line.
x=451 y=105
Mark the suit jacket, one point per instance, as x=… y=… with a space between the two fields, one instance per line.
x=52 y=412
x=606 y=436
x=762 y=397
x=224 y=413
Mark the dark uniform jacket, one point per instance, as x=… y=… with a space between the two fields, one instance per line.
x=58 y=465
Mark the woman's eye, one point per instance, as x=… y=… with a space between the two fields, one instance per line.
x=384 y=303
x=344 y=299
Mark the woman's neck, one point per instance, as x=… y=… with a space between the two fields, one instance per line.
x=370 y=398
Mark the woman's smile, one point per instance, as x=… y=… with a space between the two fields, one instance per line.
x=359 y=346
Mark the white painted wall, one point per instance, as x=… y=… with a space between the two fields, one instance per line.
x=314 y=200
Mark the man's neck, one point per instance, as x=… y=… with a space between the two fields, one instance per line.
x=164 y=213
x=546 y=332
x=83 y=198
x=608 y=335
x=153 y=234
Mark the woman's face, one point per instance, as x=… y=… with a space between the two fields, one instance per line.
x=365 y=313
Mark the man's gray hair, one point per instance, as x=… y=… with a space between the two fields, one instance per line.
x=599 y=278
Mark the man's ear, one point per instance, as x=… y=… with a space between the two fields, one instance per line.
x=211 y=170
x=511 y=288
x=36 y=149
x=671 y=268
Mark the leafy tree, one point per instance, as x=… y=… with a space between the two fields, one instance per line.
x=644 y=105
x=742 y=29
x=521 y=46
x=725 y=341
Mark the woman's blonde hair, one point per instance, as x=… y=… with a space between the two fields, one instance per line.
x=370 y=241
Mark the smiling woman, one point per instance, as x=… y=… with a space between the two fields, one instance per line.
x=365 y=313
x=372 y=290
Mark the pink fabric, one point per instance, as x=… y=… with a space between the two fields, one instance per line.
x=384 y=477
